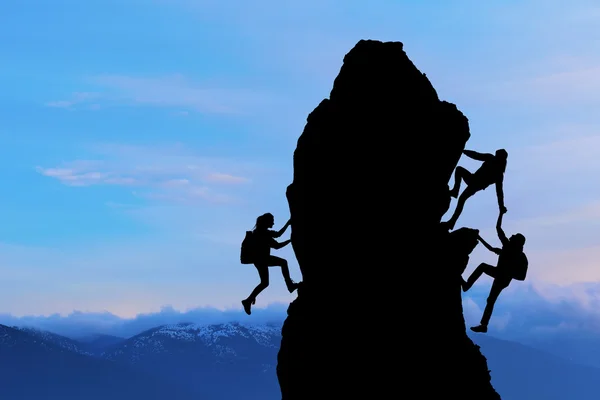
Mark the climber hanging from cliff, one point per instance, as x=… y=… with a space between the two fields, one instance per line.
x=256 y=249
x=512 y=264
x=491 y=172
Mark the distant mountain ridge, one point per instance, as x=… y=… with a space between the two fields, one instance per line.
x=60 y=341
x=208 y=357
x=216 y=338
x=520 y=372
x=233 y=361
x=38 y=365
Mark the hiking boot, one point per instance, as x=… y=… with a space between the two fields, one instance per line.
x=291 y=286
x=247 y=306
x=479 y=328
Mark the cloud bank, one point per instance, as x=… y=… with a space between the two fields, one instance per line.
x=522 y=311
x=79 y=324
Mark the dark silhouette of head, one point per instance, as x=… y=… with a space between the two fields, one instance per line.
x=265 y=221
x=517 y=240
x=501 y=153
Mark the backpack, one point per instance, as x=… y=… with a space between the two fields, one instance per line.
x=247 y=253
x=520 y=271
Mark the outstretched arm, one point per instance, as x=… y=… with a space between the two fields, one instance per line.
x=478 y=156
x=500 y=195
x=282 y=230
x=487 y=246
x=276 y=245
x=501 y=233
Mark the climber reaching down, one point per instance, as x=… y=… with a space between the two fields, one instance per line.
x=489 y=173
x=512 y=264
x=258 y=252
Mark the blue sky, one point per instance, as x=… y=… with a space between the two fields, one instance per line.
x=140 y=139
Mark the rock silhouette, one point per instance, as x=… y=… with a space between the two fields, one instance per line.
x=370 y=186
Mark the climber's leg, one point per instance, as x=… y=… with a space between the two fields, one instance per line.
x=468 y=192
x=497 y=287
x=460 y=173
x=263 y=273
x=285 y=271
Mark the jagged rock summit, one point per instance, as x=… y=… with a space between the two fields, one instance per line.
x=371 y=172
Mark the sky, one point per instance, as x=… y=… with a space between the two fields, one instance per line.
x=140 y=139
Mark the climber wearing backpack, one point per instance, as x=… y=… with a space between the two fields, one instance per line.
x=256 y=249
x=512 y=264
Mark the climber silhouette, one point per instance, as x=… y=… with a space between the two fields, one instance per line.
x=490 y=172
x=263 y=239
x=512 y=264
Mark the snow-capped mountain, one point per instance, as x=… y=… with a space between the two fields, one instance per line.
x=215 y=342
x=228 y=361
x=202 y=358
x=34 y=365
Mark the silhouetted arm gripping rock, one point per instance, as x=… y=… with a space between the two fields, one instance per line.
x=490 y=248
x=282 y=230
x=478 y=156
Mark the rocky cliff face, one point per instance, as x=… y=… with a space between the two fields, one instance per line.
x=371 y=172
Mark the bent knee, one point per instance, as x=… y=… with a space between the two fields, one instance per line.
x=279 y=262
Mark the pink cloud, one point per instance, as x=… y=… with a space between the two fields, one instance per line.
x=159 y=174
x=225 y=178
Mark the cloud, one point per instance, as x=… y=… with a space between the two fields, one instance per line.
x=170 y=173
x=171 y=91
x=191 y=260
x=78 y=176
x=60 y=104
x=76 y=99
x=522 y=310
x=532 y=308
x=562 y=246
x=573 y=86
x=588 y=213
x=567 y=266
x=226 y=178
x=80 y=324
x=576 y=152
x=546 y=88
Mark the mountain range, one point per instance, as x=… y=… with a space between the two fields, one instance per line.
x=230 y=361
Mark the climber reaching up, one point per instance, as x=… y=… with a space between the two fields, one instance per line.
x=490 y=172
x=256 y=249
x=512 y=264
